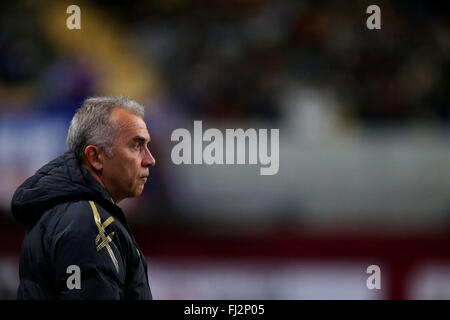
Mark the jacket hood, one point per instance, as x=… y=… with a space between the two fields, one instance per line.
x=61 y=180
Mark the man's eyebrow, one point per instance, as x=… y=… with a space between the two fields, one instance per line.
x=140 y=139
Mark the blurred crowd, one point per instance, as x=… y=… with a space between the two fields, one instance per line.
x=235 y=60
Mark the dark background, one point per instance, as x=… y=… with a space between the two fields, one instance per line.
x=364 y=138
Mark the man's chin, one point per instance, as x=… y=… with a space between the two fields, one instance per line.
x=139 y=190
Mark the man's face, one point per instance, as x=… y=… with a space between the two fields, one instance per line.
x=125 y=173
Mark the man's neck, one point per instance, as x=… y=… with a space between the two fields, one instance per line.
x=96 y=176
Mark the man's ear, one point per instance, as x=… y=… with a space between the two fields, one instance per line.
x=94 y=157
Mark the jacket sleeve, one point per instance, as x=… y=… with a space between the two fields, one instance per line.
x=86 y=259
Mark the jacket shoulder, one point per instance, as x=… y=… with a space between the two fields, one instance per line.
x=78 y=214
x=80 y=219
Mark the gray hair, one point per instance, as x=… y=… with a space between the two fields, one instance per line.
x=91 y=126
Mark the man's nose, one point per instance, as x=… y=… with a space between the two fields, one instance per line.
x=149 y=160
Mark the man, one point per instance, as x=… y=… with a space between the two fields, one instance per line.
x=79 y=245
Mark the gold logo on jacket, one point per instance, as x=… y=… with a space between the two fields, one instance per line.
x=103 y=241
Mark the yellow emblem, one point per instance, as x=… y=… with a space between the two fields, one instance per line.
x=102 y=241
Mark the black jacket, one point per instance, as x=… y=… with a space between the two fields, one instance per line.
x=73 y=222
